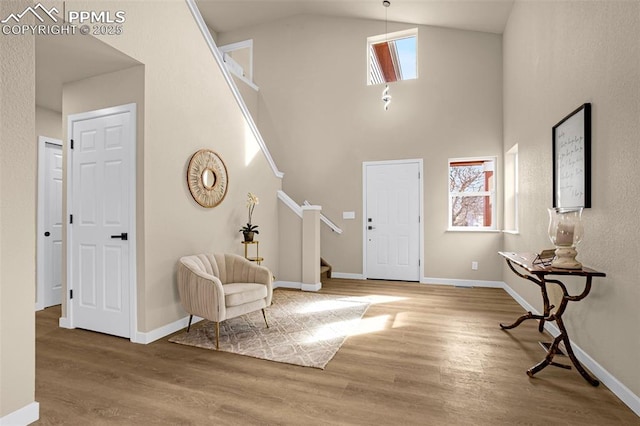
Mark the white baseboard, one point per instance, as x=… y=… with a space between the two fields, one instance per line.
x=157 y=334
x=462 y=283
x=311 y=287
x=23 y=416
x=63 y=322
x=619 y=389
x=39 y=306
x=149 y=336
x=287 y=284
x=429 y=280
x=347 y=276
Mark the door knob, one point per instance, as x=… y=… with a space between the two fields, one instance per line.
x=46 y=234
x=123 y=236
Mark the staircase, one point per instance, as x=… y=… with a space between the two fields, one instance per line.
x=325 y=269
x=313 y=278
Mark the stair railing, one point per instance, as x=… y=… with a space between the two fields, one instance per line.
x=232 y=84
x=335 y=228
x=288 y=201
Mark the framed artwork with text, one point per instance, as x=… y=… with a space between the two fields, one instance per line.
x=572 y=159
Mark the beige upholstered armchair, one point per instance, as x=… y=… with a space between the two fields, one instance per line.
x=222 y=286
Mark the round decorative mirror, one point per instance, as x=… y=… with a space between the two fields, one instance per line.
x=207 y=178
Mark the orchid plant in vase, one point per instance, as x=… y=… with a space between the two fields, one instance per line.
x=249 y=230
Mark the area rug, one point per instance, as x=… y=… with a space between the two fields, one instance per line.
x=305 y=329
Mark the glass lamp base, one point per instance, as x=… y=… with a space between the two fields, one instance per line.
x=566 y=258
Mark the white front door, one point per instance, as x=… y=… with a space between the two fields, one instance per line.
x=50 y=223
x=102 y=184
x=392 y=220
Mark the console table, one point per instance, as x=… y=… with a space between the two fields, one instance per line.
x=538 y=274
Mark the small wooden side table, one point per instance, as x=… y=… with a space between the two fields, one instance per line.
x=255 y=258
x=538 y=274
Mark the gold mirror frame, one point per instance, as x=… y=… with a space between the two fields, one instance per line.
x=207 y=178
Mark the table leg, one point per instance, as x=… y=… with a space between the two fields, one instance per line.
x=572 y=356
x=545 y=303
x=548 y=360
x=528 y=315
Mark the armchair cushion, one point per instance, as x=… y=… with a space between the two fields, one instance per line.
x=236 y=294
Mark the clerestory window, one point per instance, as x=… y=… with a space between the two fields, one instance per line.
x=392 y=57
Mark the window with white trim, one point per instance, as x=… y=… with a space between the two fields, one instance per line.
x=511 y=190
x=472 y=193
x=392 y=57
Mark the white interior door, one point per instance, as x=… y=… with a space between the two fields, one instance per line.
x=103 y=180
x=392 y=220
x=49 y=223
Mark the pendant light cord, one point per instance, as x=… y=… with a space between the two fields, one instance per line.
x=386 y=97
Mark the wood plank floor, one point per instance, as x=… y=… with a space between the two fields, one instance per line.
x=427 y=355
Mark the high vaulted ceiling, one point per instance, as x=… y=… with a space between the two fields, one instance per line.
x=475 y=15
x=63 y=59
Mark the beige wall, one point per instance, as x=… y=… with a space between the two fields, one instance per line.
x=322 y=121
x=188 y=106
x=249 y=94
x=17 y=218
x=558 y=55
x=48 y=123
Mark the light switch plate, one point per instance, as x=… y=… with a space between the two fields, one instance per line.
x=348 y=215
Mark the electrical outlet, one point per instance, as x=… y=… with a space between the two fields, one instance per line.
x=474 y=265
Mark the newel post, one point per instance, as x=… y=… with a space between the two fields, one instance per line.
x=311 y=248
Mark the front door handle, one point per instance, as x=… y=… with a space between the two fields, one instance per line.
x=123 y=236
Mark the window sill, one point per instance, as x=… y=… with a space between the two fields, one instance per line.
x=511 y=232
x=481 y=230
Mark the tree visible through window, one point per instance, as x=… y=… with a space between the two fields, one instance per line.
x=472 y=193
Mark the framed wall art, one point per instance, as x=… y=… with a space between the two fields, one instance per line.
x=572 y=159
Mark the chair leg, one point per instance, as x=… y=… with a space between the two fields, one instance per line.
x=189 y=326
x=217 y=336
x=264 y=315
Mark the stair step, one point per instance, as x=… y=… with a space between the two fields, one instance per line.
x=325 y=268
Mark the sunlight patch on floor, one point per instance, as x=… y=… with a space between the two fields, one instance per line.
x=402 y=319
x=347 y=302
x=349 y=328
x=328 y=305
x=375 y=299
